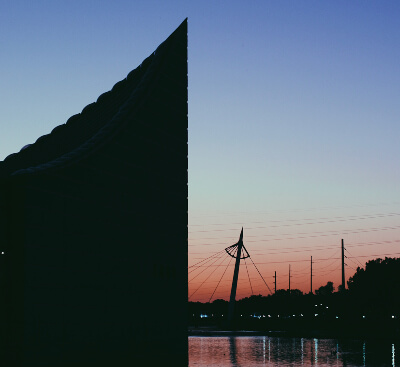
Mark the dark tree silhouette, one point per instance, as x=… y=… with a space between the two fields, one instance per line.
x=286 y=292
x=325 y=290
x=379 y=277
x=376 y=288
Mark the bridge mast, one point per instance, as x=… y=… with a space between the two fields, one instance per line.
x=239 y=246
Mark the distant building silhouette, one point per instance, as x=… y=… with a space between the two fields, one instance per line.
x=93 y=228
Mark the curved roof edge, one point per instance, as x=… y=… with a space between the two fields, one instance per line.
x=82 y=132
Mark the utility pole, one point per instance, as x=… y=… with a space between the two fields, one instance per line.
x=311 y=276
x=275 y=280
x=343 y=277
x=289 y=278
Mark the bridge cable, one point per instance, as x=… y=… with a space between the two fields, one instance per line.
x=248 y=277
x=206 y=269
x=217 y=253
x=203 y=281
x=261 y=275
x=215 y=256
x=220 y=279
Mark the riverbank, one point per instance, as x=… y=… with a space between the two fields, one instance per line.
x=210 y=331
x=214 y=331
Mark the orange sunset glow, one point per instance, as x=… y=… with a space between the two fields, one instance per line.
x=277 y=240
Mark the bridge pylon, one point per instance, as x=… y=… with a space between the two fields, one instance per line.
x=236 y=252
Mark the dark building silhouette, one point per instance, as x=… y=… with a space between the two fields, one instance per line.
x=93 y=228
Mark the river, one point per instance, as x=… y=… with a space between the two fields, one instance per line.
x=255 y=351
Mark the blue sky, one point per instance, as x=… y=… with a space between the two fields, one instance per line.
x=293 y=105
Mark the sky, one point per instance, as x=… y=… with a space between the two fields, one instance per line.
x=293 y=121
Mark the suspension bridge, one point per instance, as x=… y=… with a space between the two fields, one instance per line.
x=238 y=252
x=217 y=268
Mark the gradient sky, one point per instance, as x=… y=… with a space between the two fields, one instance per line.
x=293 y=119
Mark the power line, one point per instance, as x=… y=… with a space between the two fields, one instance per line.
x=329 y=271
x=354 y=257
x=230 y=214
x=327 y=266
x=349 y=258
x=303 y=260
x=350 y=266
x=310 y=221
x=320 y=234
x=310 y=248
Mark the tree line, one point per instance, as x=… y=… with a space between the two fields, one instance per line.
x=372 y=295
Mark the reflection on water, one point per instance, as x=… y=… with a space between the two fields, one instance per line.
x=364 y=353
x=393 y=364
x=273 y=351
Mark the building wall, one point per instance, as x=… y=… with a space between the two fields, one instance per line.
x=102 y=244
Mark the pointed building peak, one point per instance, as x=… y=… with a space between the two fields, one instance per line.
x=113 y=111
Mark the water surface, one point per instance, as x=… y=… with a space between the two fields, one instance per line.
x=278 y=351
